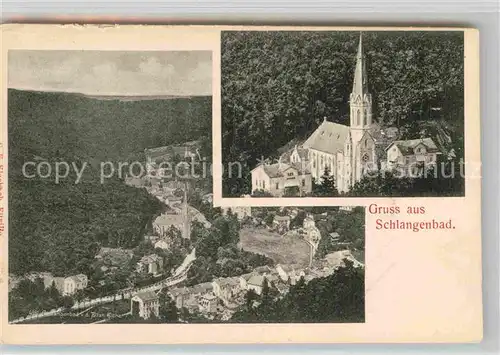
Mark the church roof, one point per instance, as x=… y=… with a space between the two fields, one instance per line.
x=329 y=137
x=406 y=146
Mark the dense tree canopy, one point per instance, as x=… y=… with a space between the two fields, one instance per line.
x=277 y=86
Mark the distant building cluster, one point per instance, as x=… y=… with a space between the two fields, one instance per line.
x=223 y=296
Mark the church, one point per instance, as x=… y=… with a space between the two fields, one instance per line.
x=347 y=151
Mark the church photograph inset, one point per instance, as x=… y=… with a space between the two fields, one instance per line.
x=347 y=113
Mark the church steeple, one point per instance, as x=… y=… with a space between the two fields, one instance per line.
x=360 y=98
x=360 y=83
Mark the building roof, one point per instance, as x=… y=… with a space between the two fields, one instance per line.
x=262 y=269
x=173 y=149
x=281 y=218
x=167 y=219
x=329 y=137
x=59 y=282
x=274 y=170
x=147 y=296
x=256 y=280
x=247 y=277
x=302 y=152
x=150 y=259
x=78 y=278
x=272 y=277
x=204 y=287
x=407 y=146
x=209 y=296
x=286 y=268
x=227 y=281
x=178 y=291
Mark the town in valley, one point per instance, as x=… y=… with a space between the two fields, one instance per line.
x=197 y=263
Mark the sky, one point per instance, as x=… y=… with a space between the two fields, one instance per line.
x=182 y=73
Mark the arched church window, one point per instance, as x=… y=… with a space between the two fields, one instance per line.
x=365 y=118
x=358 y=114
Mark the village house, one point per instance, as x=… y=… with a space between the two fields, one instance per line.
x=162 y=244
x=195 y=215
x=347 y=151
x=281 y=179
x=208 y=198
x=256 y=283
x=244 y=279
x=407 y=152
x=241 y=212
x=309 y=221
x=288 y=273
x=188 y=296
x=346 y=208
x=334 y=237
x=145 y=305
x=208 y=303
x=150 y=264
x=181 y=297
x=66 y=286
x=226 y=288
x=169 y=154
x=171 y=200
x=165 y=221
x=281 y=223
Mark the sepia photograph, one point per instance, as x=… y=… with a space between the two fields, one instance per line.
x=342 y=114
x=111 y=206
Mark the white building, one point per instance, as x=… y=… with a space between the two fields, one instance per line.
x=145 y=305
x=407 y=152
x=67 y=286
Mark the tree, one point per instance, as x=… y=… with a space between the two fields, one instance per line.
x=168 y=310
x=327 y=185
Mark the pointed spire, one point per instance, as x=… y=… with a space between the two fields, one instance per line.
x=360 y=83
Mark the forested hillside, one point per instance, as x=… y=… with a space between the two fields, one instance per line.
x=277 y=86
x=63 y=125
x=58 y=227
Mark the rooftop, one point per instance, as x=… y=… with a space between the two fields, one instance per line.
x=256 y=280
x=407 y=146
x=167 y=219
x=329 y=137
x=147 y=296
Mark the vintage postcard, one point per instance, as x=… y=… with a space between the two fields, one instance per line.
x=217 y=184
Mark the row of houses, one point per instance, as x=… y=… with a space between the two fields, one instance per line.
x=224 y=295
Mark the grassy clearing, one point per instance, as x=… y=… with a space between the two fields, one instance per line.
x=283 y=250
